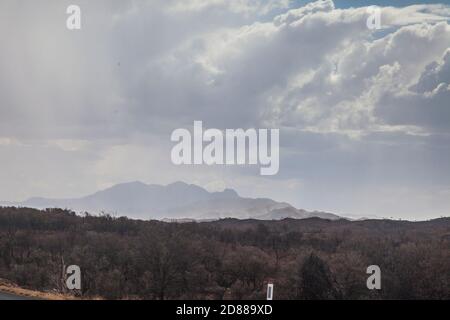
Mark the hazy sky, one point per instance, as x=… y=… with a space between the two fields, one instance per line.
x=364 y=115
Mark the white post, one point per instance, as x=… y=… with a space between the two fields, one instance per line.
x=269 y=291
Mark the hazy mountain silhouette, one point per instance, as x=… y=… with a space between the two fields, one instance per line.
x=178 y=200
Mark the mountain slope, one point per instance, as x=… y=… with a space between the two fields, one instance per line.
x=176 y=201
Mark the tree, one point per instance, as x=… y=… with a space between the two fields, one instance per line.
x=316 y=280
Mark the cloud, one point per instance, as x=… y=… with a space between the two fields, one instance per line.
x=426 y=103
x=353 y=104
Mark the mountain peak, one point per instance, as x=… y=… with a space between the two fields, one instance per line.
x=134 y=183
x=230 y=192
x=178 y=184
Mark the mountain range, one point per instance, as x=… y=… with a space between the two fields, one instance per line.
x=176 y=201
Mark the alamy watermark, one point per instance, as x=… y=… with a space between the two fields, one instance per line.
x=374 y=280
x=73 y=280
x=73 y=22
x=228 y=147
x=373 y=22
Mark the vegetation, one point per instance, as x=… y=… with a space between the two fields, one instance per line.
x=228 y=259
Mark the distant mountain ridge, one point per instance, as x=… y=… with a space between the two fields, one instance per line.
x=175 y=201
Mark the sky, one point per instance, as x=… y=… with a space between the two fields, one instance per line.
x=364 y=115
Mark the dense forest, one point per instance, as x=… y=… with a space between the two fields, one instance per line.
x=314 y=258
